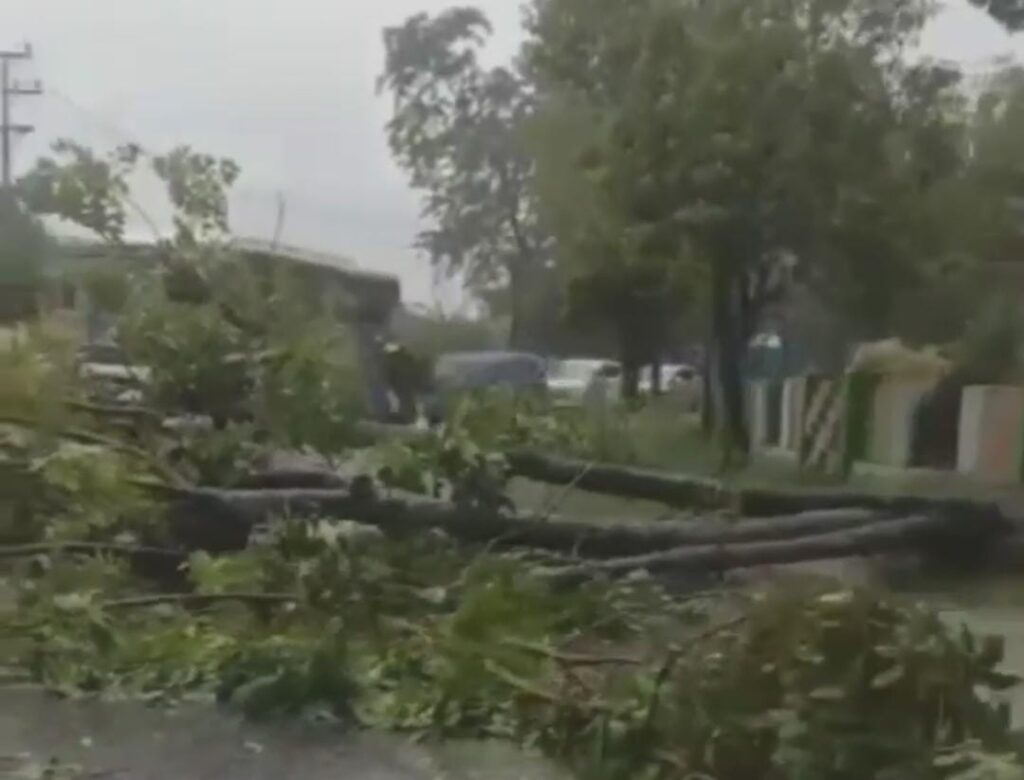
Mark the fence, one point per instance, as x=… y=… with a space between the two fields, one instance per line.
x=829 y=424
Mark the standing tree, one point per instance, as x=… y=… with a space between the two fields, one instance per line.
x=994 y=174
x=756 y=139
x=23 y=247
x=82 y=187
x=614 y=273
x=457 y=131
x=93 y=191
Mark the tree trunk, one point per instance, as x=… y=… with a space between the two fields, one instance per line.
x=694 y=492
x=629 y=356
x=630 y=381
x=937 y=534
x=656 y=377
x=516 y=336
x=206 y=519
x=727 y=362
x=707 y=399
x=681 y=491
x=220 y=520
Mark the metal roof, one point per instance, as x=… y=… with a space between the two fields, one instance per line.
x=76 y=247
x=334 y=262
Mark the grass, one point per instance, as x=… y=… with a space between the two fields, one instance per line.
x=659 y=436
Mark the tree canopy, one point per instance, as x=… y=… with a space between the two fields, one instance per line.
x=23 y=245
x=457 y=130
x=761 y=140
x=1009 y=13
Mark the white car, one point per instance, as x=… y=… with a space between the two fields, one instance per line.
x=576 y=379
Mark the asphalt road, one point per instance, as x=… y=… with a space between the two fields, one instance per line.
x=129 y=741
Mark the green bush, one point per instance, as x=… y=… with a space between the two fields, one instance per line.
x=294 y=376
x=837 y=686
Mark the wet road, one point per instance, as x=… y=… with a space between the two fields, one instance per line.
x=128 y=741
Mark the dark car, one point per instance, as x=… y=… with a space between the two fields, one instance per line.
x=465 y=372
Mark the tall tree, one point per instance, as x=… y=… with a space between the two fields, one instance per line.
x=457 y=131
x=83 y=187
x=1009 y=13
x=762 y=139
x=23 y=246
x=995 y=168
x=93 y=191
x=615 y=275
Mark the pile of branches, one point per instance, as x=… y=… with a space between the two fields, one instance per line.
x=335 y=620
x=446 y=613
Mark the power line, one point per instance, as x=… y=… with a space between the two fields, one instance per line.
x=9 y=89
x=285 y=205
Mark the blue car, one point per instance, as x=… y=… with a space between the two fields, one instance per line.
x=465 y=372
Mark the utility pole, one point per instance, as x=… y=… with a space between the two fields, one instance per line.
x=9 y=89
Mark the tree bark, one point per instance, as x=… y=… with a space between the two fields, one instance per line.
x=915 y=532
x=676 y=490
x=220 y=521
x=516 y=339
x=656 y=377
x=518 y=269
x=629 y=357
x=685 y=491
x=707 y=401
x=727 y=327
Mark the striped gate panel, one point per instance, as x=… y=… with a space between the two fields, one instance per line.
x=822 y=424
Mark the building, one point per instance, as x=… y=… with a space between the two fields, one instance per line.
x=365 y=300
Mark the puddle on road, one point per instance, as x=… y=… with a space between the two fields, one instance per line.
x=129 y=741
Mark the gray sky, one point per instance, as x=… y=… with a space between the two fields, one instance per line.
x=287 y=90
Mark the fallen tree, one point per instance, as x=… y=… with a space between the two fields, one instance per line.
x=679 y=491
x=675 y=490
x=936 y=534
x=221 y=520
x=687 y=491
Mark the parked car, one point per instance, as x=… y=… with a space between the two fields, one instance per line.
x=570 y=381
x=462 y=372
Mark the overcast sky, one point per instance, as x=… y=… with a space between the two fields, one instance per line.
x=286 y=88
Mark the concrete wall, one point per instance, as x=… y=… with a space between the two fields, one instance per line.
x=794 y=393
x=767 y=413
x=991 y=426
x=891 y=422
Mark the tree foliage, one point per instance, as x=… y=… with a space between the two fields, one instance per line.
x=197 y=185
x=85 y=188
x=216 y=339
x=760 y=141
x=613 y=273
x=994 y=175
x=23 y=248
x=326 y=618
x=457 y=130
x=330 y=620
x=1009 y=13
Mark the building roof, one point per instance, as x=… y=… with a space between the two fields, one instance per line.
x=328 y=260
x=75 y=246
